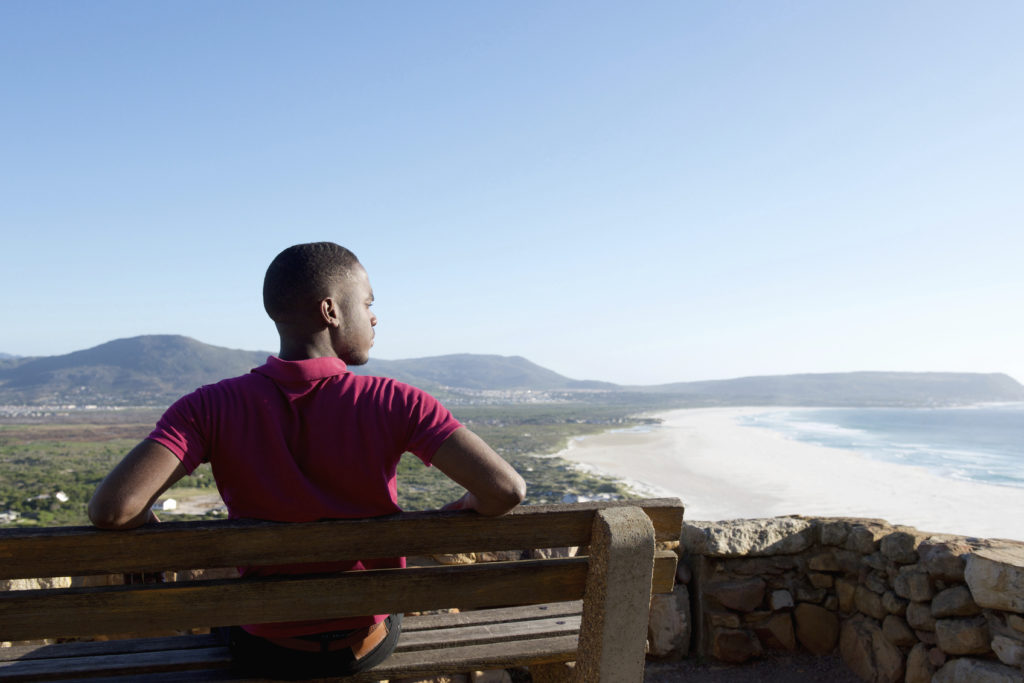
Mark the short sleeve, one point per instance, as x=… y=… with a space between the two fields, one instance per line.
x=429 y=423
x=182 y=430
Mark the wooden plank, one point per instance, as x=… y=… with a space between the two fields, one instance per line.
x=492 y=616
x=480 y=634
x=25 y=615
x=423 y=663
x=75 y=551
x=122 y=665
x=476 y=657
x=107 y=647
x=199 y=676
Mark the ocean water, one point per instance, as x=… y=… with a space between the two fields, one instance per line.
x=981 y=443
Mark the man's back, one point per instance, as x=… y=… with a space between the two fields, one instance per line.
x=297 y=441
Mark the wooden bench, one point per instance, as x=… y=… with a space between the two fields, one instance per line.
x=591 y=609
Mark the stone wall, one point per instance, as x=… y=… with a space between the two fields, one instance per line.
x=898 y=604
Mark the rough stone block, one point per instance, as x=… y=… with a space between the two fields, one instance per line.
x=824 y=562
x=817 y=629
x=834 y=533
x=815 y=595
x=846 y=592
x=1015 y=622
x=718 y=619
x=927 y=637
x=868 y=653
x=749 y=537
x=864 y=537
x=919 y=616
x=900 y=547
x=774 y=566
x=1009 y=651
x=777 y=632
x=549 y=553
x=821 y=580
x=996 y=577
x=34 y=584
x=897 y=632
x=893 y=604
x=913 y=584
x=848 y=561
x=668 y=629
x=734 y=645
x=877 y=582
x=512 y=555
x=875 y=560
x=954 y=602
x=963 y=636
x=743 y=595
x=944 y=560
x=870 y=603
x=919 y=668
x=966 y=670
x=455 y=558
x=556 y=672
x=781 y=599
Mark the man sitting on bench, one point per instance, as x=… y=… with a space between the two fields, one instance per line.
x=301 y=439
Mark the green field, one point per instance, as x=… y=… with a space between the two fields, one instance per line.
x=39 y=460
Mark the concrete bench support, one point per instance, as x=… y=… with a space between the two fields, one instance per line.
x=617 y=598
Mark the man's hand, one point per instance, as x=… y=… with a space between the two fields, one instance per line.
x=467 y=502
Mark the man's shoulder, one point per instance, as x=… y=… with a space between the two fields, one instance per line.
x=381 y=387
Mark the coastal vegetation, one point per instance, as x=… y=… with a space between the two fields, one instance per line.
x=48 y=470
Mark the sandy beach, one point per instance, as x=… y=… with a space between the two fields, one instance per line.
x=725 y=470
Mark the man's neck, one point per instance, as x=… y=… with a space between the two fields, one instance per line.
x=304 y=349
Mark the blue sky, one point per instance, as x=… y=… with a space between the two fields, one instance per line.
x=658 y=192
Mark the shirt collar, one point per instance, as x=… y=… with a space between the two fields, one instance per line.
x=308 y=370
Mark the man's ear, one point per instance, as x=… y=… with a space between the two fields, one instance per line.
x=330 y=312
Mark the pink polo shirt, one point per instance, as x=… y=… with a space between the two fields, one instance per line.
x=299 y=441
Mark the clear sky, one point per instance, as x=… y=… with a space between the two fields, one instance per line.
x=633 y=192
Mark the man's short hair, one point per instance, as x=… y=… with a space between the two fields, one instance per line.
x=301 y=276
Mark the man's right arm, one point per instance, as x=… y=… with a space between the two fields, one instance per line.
x=492 y=486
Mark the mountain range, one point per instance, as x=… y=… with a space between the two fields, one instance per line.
x=156 y=369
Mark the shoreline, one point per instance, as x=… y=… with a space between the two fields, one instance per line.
x=724 y=470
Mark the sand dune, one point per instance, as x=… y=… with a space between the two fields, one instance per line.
x=724 y=470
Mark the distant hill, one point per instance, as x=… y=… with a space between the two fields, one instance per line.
x=478 y=372
x=159 y=368
x=149 y=369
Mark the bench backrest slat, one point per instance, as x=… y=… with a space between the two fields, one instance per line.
x=76 y=551
x=25 y=615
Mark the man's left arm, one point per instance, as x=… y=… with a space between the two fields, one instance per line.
x=124 y=498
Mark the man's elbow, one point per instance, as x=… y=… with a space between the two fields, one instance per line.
x=510 y=494
x=109 y=515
